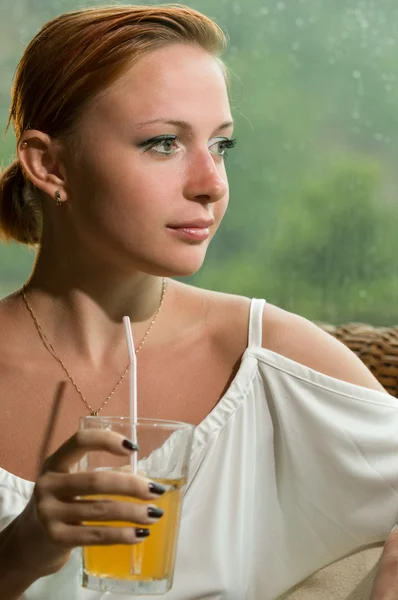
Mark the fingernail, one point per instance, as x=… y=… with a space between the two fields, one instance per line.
x=156 y=488
x=154 y=512
x=130 y=446
x=142 y=533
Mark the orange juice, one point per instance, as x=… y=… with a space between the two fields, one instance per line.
x=151 y=559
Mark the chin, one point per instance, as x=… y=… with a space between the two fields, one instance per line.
x=185 y=263
x=179 y=270
x=177 y=265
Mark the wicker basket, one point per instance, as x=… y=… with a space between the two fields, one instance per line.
x=377 y=347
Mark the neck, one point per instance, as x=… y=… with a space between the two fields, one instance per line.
x=81 y=310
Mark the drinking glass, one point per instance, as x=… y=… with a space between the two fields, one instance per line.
x=163 y=456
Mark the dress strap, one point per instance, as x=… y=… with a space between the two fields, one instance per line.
x=256 y=322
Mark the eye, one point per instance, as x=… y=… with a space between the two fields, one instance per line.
x=222 y=146
x=165 y=144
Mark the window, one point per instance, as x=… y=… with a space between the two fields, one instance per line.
x=313 y=213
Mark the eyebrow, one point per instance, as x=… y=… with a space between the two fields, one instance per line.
x=182 y=124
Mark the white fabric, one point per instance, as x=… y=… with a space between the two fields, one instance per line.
x=291 y=471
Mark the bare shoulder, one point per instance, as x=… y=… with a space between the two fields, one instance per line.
x=304 y=342
x=225 y=316
x=216 y=304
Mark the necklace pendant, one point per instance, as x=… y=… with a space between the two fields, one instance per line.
x=94 y=413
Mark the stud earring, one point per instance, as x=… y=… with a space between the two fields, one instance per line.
x=58 y=198
x=24 y=145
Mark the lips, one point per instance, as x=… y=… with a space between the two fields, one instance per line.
x=195 y=230
x=193 y=224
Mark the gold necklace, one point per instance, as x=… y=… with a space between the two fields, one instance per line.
x=54 y=353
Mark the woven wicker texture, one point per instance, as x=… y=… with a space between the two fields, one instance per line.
x=377 y=347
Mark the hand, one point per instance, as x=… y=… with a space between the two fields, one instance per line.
x=385 y=586
x=51 y=524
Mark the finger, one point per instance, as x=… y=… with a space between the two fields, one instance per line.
x=385 y=586
x=102 y=511
x=81 y=442
x=70 y=536
x=94 y=483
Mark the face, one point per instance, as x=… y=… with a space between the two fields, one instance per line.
x=150 y=188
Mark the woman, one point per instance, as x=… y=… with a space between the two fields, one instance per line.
x=123 y=123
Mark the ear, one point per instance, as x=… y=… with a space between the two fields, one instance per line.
x=40 y=157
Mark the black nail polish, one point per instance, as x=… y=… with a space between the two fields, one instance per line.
x=142 y=533
x=154 y=512
x=130 y=446
x=156 y=488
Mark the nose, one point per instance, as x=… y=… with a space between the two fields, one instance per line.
x=206 y=181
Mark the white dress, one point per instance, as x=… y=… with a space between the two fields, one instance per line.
x=291 y=471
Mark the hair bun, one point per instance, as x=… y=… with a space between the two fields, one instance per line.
x=20 y=208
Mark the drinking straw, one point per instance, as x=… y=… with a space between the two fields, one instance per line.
x=132 y=391
x=137 y=550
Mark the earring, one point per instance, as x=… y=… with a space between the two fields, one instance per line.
x=58 y=198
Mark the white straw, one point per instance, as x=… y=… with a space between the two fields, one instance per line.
x=132 y=391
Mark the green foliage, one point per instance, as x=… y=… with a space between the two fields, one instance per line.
x=330 y=234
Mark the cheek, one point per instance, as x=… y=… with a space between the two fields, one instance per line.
x=124 y=200
x=219 y=210
x=128 y=176
x=221 y=206
x=104 y=180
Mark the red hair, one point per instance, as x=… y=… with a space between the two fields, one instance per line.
x=73 y=58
